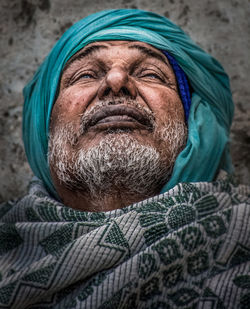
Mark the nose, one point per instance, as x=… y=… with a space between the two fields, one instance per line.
x=117 y=82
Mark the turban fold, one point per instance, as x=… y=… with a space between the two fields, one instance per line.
x=211 y=109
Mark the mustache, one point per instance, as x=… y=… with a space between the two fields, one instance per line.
x=117 y=106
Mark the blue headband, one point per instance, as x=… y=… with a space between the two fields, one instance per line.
x=182 y=83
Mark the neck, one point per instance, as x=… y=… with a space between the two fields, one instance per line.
x=104 y=201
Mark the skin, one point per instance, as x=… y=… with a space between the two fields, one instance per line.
x=114 y=69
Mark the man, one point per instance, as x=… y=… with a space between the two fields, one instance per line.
x=118 y=144
x=124 y=108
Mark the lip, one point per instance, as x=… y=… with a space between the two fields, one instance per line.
x=119 y=116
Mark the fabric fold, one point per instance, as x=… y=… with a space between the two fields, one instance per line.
x=175 y=249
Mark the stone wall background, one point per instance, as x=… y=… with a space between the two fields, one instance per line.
x=29 y=28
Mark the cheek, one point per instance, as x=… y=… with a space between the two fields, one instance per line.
x=164 y=102
x=70 y=104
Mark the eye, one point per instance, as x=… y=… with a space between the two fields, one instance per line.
x=83 y=77
x=86 y=75
x=150 y=75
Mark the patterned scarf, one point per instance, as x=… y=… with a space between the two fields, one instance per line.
x=186 y=248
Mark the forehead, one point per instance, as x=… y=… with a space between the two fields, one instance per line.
x=111 y=48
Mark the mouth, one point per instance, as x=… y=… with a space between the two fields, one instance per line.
x=119 y=116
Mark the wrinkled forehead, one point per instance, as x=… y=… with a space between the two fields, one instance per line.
x=143 y=49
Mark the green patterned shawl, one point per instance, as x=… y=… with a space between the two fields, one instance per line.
x=186 y=248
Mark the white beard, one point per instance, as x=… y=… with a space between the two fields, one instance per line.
x=119 y=163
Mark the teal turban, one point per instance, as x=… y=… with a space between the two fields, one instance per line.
x=211 y=112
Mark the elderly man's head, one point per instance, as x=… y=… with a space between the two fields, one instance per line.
x=103 y=122
x=118 y=123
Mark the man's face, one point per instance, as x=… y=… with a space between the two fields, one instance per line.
x=116 y=94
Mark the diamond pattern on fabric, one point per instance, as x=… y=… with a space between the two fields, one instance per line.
x=9 y=237
x=40 y=277
x=168 y=251
x=58 y=239
x=113 y=238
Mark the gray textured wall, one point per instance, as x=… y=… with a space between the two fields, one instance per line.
x=29 y=28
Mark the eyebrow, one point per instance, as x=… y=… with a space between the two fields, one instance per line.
x=91 y=49
x=150 y=52
x=86 y=52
